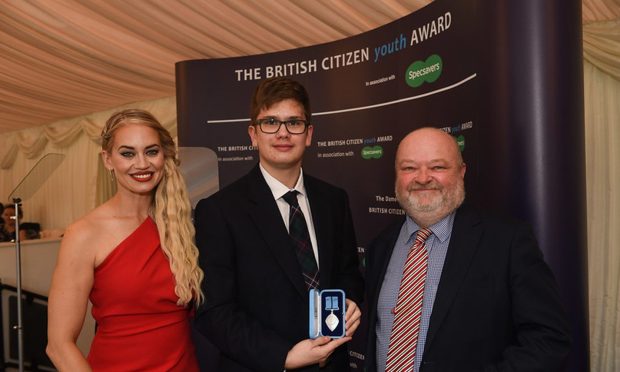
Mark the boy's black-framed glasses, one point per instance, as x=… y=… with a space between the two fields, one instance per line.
x=272 y=125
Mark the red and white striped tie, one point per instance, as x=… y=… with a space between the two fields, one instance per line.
x=408 y=310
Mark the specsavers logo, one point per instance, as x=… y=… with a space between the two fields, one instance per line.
x=372 y=152
x=420 y=71
x=460 y=140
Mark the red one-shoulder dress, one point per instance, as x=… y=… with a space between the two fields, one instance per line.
x=140 y=326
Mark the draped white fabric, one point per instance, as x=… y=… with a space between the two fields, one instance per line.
x=602 y=130
x=602 y=103
x=601 y=41
x=71 y=191
x=66 y=58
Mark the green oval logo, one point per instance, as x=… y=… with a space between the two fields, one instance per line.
x=460 y=140
x=372 y=152
x=420 y=71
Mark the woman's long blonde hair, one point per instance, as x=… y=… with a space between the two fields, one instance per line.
x=170 y=207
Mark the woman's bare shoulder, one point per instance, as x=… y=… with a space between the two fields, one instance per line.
x=89 y=229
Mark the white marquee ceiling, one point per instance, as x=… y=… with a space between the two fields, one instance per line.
x=66 y=58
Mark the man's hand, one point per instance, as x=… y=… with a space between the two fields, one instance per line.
x=309 y=351
x=352 y=317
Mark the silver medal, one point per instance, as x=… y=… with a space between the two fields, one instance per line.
x=332 y=321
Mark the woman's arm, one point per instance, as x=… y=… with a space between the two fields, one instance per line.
x=68 y=300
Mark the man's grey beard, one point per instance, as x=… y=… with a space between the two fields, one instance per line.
x=437 y=209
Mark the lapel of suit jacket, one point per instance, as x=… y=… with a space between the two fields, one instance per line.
x=268 y=220
x=379 y=258
x=466 y=232
x=323 y=223
x=381 y=255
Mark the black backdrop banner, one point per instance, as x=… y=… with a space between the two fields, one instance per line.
x=434 y=67
x=366 y=93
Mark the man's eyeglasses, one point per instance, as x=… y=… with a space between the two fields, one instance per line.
x=272 y=125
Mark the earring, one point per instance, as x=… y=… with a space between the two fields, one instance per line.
x=111 y=174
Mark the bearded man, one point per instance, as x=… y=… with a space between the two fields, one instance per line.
x=451 y=289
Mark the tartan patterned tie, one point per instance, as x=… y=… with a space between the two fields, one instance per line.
x=408 y=310
x=298 y=231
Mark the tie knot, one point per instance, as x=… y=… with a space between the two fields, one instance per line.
x=291 y=198
x=422 y=235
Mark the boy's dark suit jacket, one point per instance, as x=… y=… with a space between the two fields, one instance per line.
x=256 y=301
x=497 y=306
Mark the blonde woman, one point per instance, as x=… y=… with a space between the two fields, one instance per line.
x=134 y=257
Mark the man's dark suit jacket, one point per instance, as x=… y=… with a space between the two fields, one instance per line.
x=256 y=305
x=497 y=306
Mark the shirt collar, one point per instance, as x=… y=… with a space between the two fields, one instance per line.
x=442 y=229
x=278 y=189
